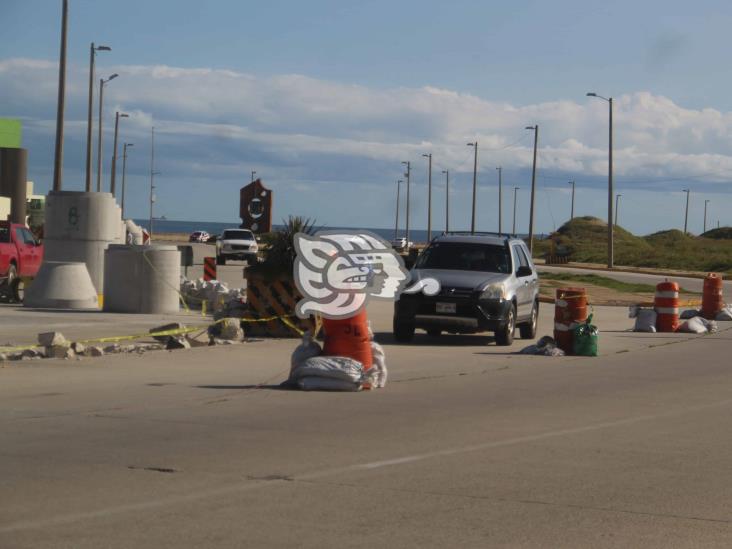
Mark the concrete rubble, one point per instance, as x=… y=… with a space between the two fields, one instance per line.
x=219 y=299
x=227 y=329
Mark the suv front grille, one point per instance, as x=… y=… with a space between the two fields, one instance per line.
x=457 y=293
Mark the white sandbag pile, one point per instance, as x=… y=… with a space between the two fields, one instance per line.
x=311 y=371
x=645 y=319
x=546 y=346
x=725 y=314
x=698 y=325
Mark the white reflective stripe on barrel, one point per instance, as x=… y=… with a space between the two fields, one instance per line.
x=667 y=310
x=564 y=327
x=667 y=294
x=561 y=303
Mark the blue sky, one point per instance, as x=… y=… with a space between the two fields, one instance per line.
x=324 y=99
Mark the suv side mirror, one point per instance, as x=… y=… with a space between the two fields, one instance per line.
x=524 y=270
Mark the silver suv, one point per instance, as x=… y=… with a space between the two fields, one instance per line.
x=487 y=283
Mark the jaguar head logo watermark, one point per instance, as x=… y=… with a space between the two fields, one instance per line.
x=338 y=272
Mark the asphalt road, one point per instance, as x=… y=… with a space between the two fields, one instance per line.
x=469 y=445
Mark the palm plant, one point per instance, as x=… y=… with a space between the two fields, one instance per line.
x=280 y=253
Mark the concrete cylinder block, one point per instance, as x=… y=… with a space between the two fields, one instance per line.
x=62 y=285
x=141 y=279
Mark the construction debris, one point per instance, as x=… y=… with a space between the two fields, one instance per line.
x=219 y=299
x=166 y=328
x=49 y=339
x=546 y=346
x=227 y=329
x=177 y=342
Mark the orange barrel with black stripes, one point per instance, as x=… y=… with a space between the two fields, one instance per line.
x=349 y=337
x=209 y=268
x=570 y=309
x=666 y=305
x=712 y=298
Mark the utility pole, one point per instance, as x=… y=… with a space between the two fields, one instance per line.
x=533 y=187
x=396 y=223
x=102 y=81
x=429 y=198
x=475 y=183
x=500 y=201
x=408 y=175
x=152 y=175
x=92 y=55
x=253 y=174
x=113 y=178
x=514 y=209
x=686 y=215
x=571 y=214
x=617 y=199
x=58 y=157
x=705 y=215
x=447 y=200
x=124 y=169
x=610 y=251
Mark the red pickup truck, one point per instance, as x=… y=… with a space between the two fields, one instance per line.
x=20 y=256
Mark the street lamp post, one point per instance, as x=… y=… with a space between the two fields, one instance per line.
x=447 y=200
x=514 y=209
x=533 y=187
x=571 y=214
x=429 y=197
x=102 y=81
x=396 y=223
x=253 y=174
x=475 y=183
x=92 y=55
x=500 y=200
x=408 y=176
x=617 y=199
x=610 y=259
x=705 y=215
x=124 y=169
x=58 y=155
x=113 y=177
x=686 y=214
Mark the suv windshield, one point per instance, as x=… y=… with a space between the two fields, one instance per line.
x=465 y=257
x=237 y=235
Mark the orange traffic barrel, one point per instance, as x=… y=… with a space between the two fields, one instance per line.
x=712 y=299
x=349 y=337
x=209 y=268
x=666 y=305
x=570 y=309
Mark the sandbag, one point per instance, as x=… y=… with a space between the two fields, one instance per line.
x=689 y=313
x=378 y=369
x=334 y=367
x=698 y=325
x=724 y=314
x=318 y=383
x=546 y=346
x=645 y=320
x=307 y=349
x=586 y=338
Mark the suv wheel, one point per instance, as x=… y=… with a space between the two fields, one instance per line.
x=504 y=335
x=403 y=332
x=528 y=330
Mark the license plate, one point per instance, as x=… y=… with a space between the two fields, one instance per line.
x=445 y=308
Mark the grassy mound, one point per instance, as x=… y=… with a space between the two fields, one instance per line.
x=723 y=233
x=585 y=240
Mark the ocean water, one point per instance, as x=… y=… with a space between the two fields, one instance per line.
x=213 y=227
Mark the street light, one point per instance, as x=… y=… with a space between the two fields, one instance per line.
x=253 y=174
x=705 y=215
x=447 y=200
x=58 y=154
x=475 y=183
x=609 y=180
x=92 y=55
x=617 y=199
x=533 y=187
x=429 y=198
x=408 y=175
x=102 y=81
x=500 y=200
x=396 y=223
x=124 y=169
x=571 y=215
x=686 y=215
x=113 y=178
x=514 y=209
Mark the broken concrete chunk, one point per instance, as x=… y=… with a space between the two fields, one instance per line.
x=78 y=348
x=113 y=348
x=166 y=328
x=3 y=357
x=196 y=342
x=60 y=351
x=177 y=342
x=94 y=350
x=227 y=329
x=131 y=348
x=32 y=353
x=48 y=339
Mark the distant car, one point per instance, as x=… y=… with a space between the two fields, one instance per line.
x=401 y=243
x=199 y=236
x=487 y=282
x=236 y=244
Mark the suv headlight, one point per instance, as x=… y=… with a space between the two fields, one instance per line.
x=494 y=291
